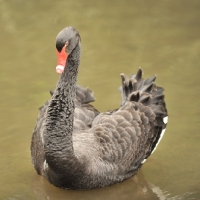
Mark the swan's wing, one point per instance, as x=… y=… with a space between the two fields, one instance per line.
x=84 y=113
x=126 y=137
x=84 y=95
x=37 y=143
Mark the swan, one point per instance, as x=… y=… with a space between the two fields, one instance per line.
x=74 y=146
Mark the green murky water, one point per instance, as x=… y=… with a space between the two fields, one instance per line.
x=161 y=37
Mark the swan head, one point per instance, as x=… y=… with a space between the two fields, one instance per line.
x=66 y=41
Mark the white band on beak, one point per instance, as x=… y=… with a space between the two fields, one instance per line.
x=59 y=69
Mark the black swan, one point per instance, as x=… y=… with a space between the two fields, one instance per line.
x=76 y=147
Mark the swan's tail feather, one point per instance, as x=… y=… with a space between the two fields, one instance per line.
x=146 y=92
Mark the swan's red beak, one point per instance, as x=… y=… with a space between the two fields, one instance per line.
x=62 y=58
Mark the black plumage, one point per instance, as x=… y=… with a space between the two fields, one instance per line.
x=76 y=147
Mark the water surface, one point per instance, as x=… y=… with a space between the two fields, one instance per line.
x=161 y=37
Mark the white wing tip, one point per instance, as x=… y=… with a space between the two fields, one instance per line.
x=161 y=135
x=143 y=161
x=165 y=119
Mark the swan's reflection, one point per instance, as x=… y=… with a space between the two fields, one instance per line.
x=137 y=188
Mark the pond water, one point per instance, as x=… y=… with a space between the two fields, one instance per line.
x=161 y=37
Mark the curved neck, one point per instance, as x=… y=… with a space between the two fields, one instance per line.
x=60 y=114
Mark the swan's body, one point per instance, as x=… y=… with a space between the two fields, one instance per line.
x=76 y=147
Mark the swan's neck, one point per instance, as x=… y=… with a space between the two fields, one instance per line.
x=60 y=114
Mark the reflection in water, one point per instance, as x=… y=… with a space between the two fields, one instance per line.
x=161 y=37
x=136 y=188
